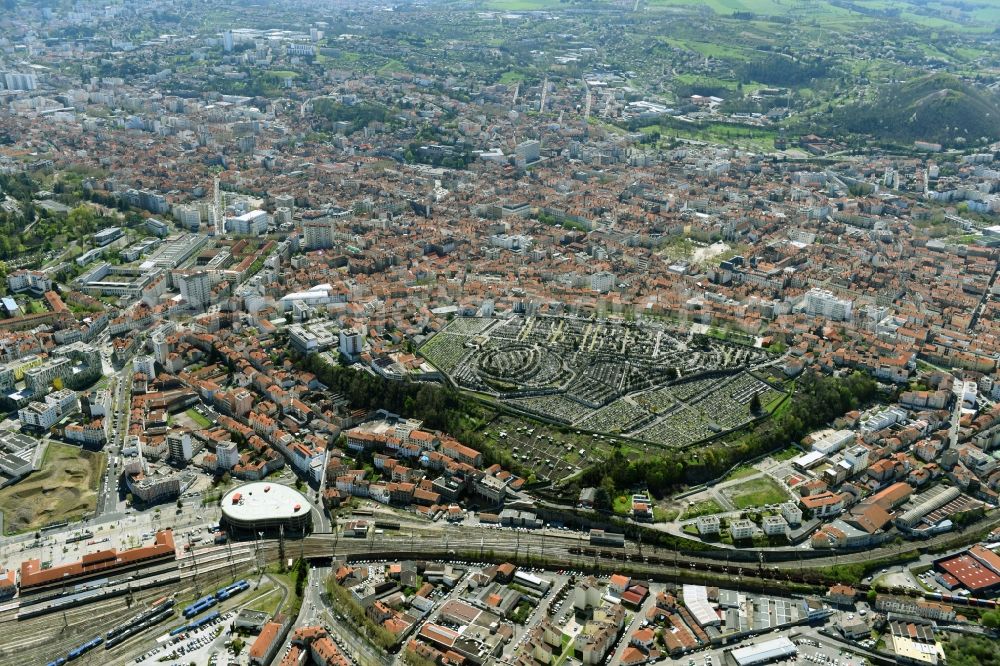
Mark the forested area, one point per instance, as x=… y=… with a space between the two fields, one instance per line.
x=930 y=108
x=972 y=651
x=782 y=70
x=21 y=188
x=31 y=227
x=358 y=115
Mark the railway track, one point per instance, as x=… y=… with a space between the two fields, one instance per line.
x=554 y=550
x=40 y=639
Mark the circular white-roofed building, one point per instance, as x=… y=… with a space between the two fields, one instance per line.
x=265 y=507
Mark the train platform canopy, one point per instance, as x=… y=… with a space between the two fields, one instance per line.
x=764 y=653
x=32 y=573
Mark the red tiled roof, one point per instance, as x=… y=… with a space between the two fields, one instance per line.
x=970 y=572
x=32 y=573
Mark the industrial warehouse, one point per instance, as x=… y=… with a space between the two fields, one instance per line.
x=977 y=570
x=763 y=653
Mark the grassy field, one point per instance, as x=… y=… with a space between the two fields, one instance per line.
x=757 y=492
x=704 y=508
x=786 y=454
x=730 y=6
x=511 y=77
x=708 y=49
x=701 y=80
x=661 y=515
x=523 y=5
x=293 y=603
x=198 y=418
x=750 y=138
x=267 y=599
x=741 y=472
x=64 y=489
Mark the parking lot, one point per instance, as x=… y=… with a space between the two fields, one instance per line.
x=207 y=645
x=812 y=649
x=819 y=652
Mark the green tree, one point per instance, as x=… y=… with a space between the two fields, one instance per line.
x=301 y=571
x=972 y=651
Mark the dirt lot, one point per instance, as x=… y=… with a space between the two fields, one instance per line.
x=64 y=489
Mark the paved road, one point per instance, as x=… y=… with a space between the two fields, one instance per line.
x=341 y=629
x=631 y=627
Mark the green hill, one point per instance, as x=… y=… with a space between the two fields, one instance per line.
x=938 y=108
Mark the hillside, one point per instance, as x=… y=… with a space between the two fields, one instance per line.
x=938 y=108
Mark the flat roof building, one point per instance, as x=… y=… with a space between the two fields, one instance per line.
x=266 y=507
x=764 y=653
x=106 y=236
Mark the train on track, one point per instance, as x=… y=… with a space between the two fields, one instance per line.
x=965 y=601
x=211 y=600
x=151 y=620
x=77 y=652
x=34 y=606
x=36 y=596
x=200 y=606
x=197 y=624
x=80 y=536
x=230 y=590
x=156 y=612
